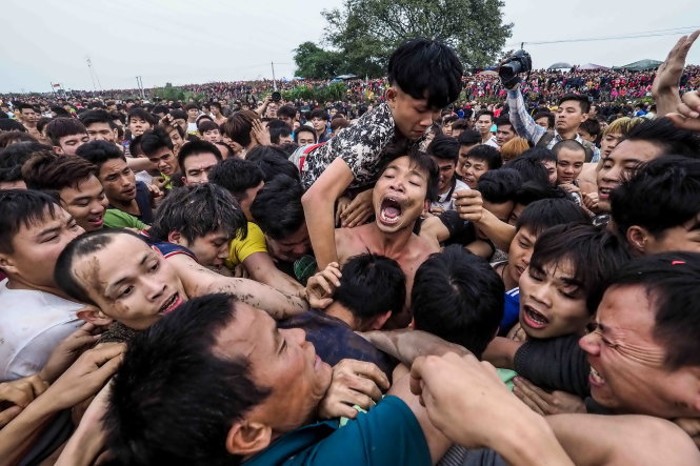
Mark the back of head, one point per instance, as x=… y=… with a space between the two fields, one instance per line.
x=514 y=148
x=422 y=67
x=273 y=162
x=670 y=281
x=499 y=186
x=663 y=193
x=7 y=125
x=469 y=137
x=444 y=148
x=21 y=208
x=594 y=253
x=546 y=213
x=531 y=170
x=670 y=138
x=9 y=138
x=371 y=275
x=236 y=175
x=239 y=125
x=61 y=127
x=197 y=210
x=175 y=412
x=458 y=297
x=154 y=140
x=277 y=207
x=99 y=152
x=14 y=156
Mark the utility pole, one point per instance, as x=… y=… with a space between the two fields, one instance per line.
x=139 y=84
x=92 y=77
x=274 y=82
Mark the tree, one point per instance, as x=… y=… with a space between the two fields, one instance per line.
x=315 y=63
x=365 y=32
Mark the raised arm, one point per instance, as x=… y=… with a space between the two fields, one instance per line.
x=522 y=121
x=406 y=345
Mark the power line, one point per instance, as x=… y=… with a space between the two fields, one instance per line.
x=639 y=35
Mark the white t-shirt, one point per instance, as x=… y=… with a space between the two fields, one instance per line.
x=32 y=324
x=446 y=201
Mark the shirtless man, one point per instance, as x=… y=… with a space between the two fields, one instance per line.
x=404 y=190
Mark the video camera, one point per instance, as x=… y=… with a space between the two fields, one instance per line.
x=519 y=62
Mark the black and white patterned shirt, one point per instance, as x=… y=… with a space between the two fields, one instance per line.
x=359 y=145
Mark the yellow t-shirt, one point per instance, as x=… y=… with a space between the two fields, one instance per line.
x=240 y=249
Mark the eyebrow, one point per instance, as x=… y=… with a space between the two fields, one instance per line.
x=124 y=279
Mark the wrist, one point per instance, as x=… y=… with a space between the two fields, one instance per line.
x=528 y=440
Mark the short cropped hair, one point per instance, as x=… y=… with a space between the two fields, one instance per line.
x=237 y=176
x=22 y=208
x=277 y=207
x=444 y=148
x=546 y=213
x=196 y=147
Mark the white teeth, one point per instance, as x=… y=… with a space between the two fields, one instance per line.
x=595 y=375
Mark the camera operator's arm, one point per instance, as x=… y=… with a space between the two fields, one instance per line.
x=522 y=121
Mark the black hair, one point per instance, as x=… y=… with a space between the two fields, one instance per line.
x=154 y=140
x=499 y=186
x=531 y=170
x=178 y=114
x=273 y=162
x=191 y=106
x=662 y=194
x=22 y=208
x=672 y=139
x=239 y=125
x=305 y=129
x=485 y=112
x=49 y=172
x=207 y=125
x=197 y=210
x=62 y=127
x=504 y=120
x=138 y=112
x=287 y=111
x=99 y=152
x=195 y=148
x=591 y=126
x=318 y=113
x=488 y=154
x=427 y=68
x=371 y=275
x=278 y=129
x=545 y=114
x=277 y=207
x=444 y=148
x=594 y=253
x=15 y=155
x=176 y=412
x=160 y=110
x=671 y=283
x=97 y=116
x=458 y=297
x=570 y=144
x=7 y=125
x=546 y=213
x=421 y=159
x=582 y=100
x=469 y=137
x=540 y=154
x=237 y=176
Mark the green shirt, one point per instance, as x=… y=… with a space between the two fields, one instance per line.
x=389 y=434
x=115 y=218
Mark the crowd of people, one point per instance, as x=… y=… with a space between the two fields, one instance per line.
x=415 y=280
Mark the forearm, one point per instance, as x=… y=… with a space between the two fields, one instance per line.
x=320 y=221
x=500 y=233
x=667 y=100
x=407 y=345
x=17 y=437
x=529 y=441
x=501 y=352
x=270 y=275
x=522 y=121
x=83 y=448
x=138 y=164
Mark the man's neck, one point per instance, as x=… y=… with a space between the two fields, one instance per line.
x=486 y=137
x=391 y=245
x=569 y=134
x=18 y=284
x=339 y=311
x=130 y=207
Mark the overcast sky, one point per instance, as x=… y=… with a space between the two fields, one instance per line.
x=186 y=41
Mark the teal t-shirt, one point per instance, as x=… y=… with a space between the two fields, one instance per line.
x=388 y=434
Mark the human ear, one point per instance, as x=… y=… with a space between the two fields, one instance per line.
x=7 y=264
x=637 y=238
x=247 y=438
x=94 y=315
x=175 y=237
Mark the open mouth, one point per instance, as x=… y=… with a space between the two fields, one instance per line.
x=390 y=211
x=595 y=378
x=533 y=318
x=604 y=193
x=171 y=304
